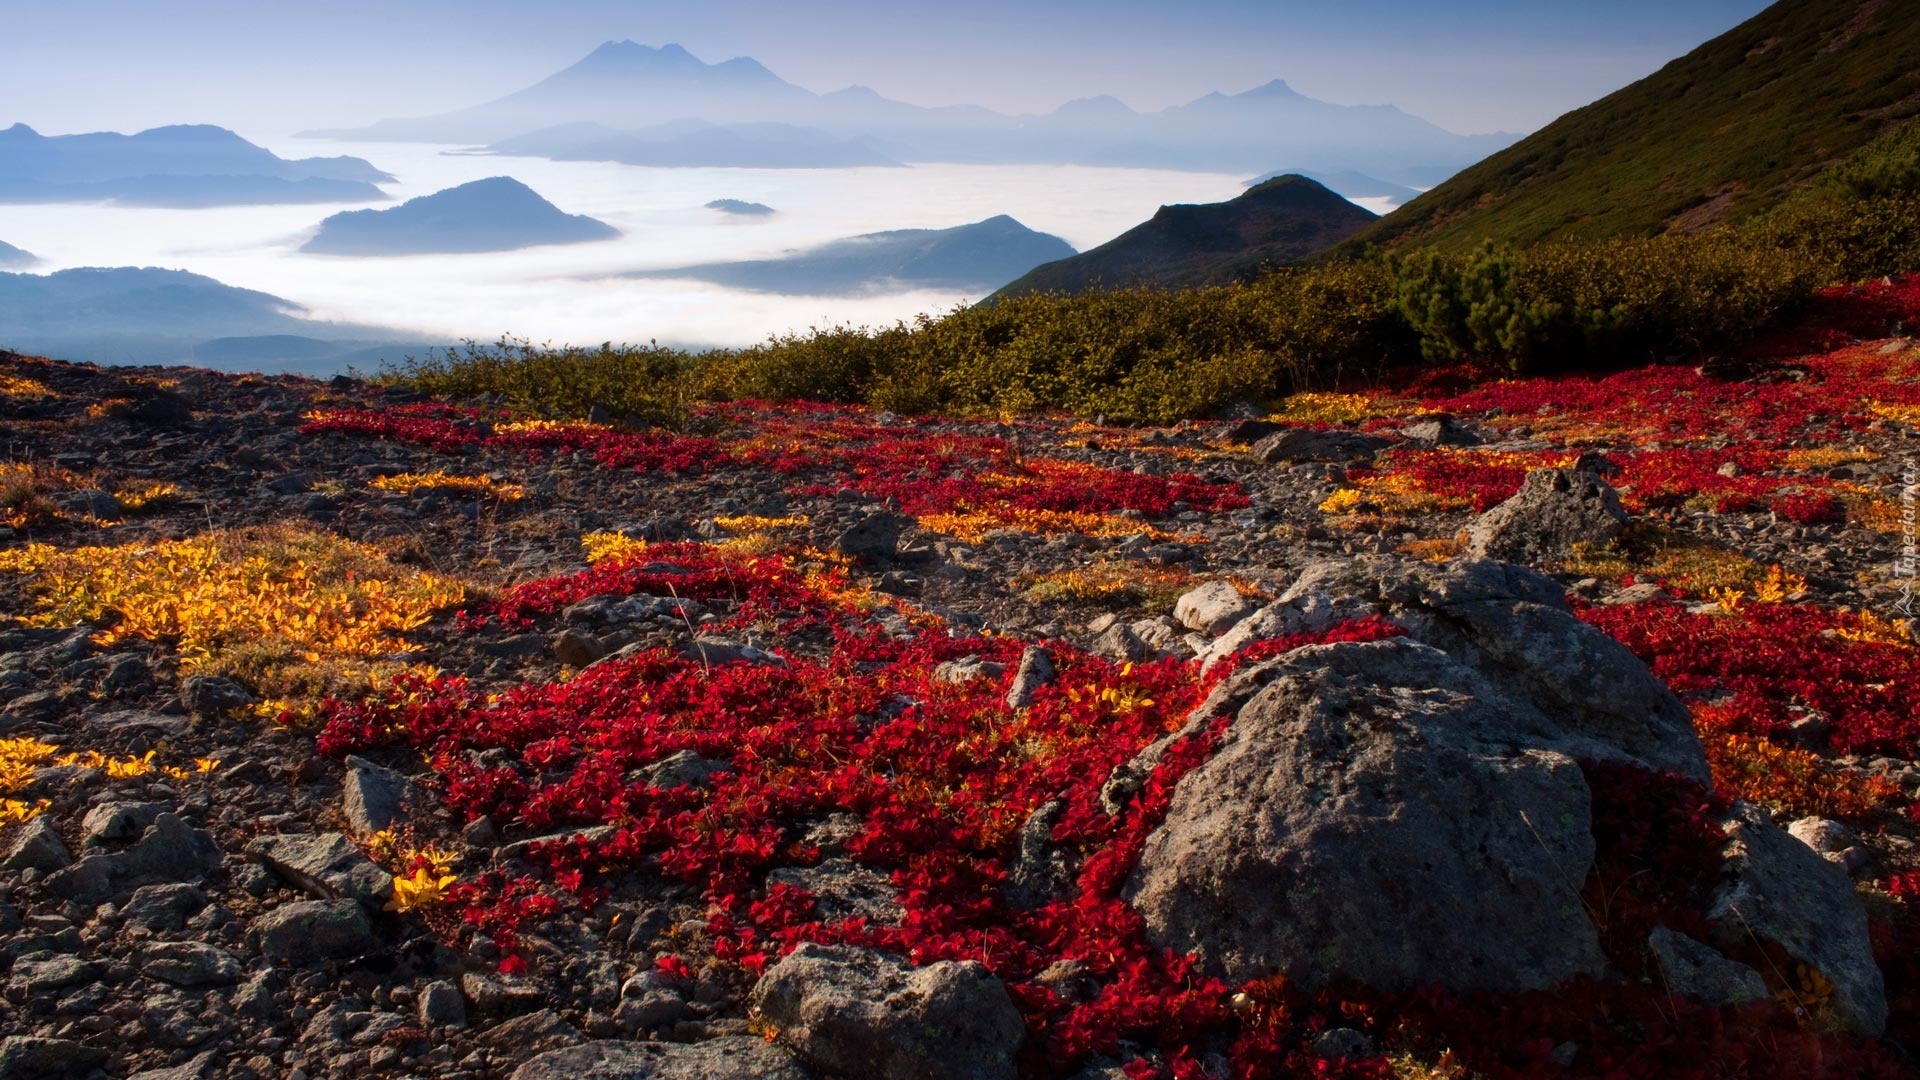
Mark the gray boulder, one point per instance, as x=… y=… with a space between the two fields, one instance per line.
x=25 y=1057
x=170 y=850
x=1589 y=697
x=36 y=846
x=1036 y=670
x=867 y=1013
x=312 y=930
x=116 y=821
x=1554 y=510
x=1696 y=970
x=1212 y=608
x=324 y=864
x=1370 y=816
x=843 y=889
x=190 y=963
x=1318 y=444
x=208 y=696
x=734 y=1057
x=376 y=797
x=874 y=538
x=1779 y=890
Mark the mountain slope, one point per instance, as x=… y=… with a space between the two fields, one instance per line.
x=1280 y=221
x=980 y=256
x=13 y=256
x=495 y=214
x=1718 y=135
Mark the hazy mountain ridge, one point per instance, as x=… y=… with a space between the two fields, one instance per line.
x=13 y=256
x=152 y=315
x=982 y=255
x=624 y=87
x=179 y=165
x=495 y=214
x=1721 y=134
x=1279 y=221
x=698 y=144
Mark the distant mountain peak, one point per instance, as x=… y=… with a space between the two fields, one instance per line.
x=498 y=213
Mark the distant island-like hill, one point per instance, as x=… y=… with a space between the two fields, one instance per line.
x=188 y=165
x=147 y=315
x=1280 y=221
x=741 y=207
x=13 y=256
x=980 y=256
x=495 y=214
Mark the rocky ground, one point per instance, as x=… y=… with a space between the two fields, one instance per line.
x=1251 y=692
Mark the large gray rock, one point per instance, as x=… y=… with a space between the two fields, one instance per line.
x=1589 y=697
x=735 y=1057
x=116 y=820
x=170 y=850
x=324 y=864
x=867 y=1013
x=1554 y=510
x=874 y=538
x=1318 y=444
x=1371 y=816
x=1781 y=891
x=1694 y=969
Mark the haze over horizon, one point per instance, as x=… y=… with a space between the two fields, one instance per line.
x=1489 y=65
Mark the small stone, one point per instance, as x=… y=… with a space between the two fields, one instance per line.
x=441 y=1005
x=189 y=963
x=1212 y=608
x=874 y=537
x=733 y=1057
x=311 y=930
x=44 y=972
x=1339 y=1044
x=1120 y=644
x=162 y=907
x=327 y=865
x=375 y=797
x=1036 y=670
x=576 y=648
x=25 y=1057
x=36 y=846
x=210 y=696
x=682 y=768
x=115 y=822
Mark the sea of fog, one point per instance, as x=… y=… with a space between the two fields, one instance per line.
x=562 y=294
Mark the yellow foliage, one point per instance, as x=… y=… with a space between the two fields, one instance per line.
x=601 y=546
x=420 y=889
x=1777 y=585
x=19 y=386
x=972 y=526
x=757 y=523
x=288 y=608
x=1827 y=458
x=1331 y=408
x=1903 y=414
x=1878 y=630
x=440 y=480
x=1728 y=599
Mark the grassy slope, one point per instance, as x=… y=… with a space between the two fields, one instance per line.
x=1718 y=135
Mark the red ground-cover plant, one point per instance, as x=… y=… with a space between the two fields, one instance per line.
x=942 y=777
x=921 y=466
x=1767 y=665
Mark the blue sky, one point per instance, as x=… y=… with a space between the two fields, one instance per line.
x=268 y=68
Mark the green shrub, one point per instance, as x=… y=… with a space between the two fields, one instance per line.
x=1558 y=306
x=649 y=381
